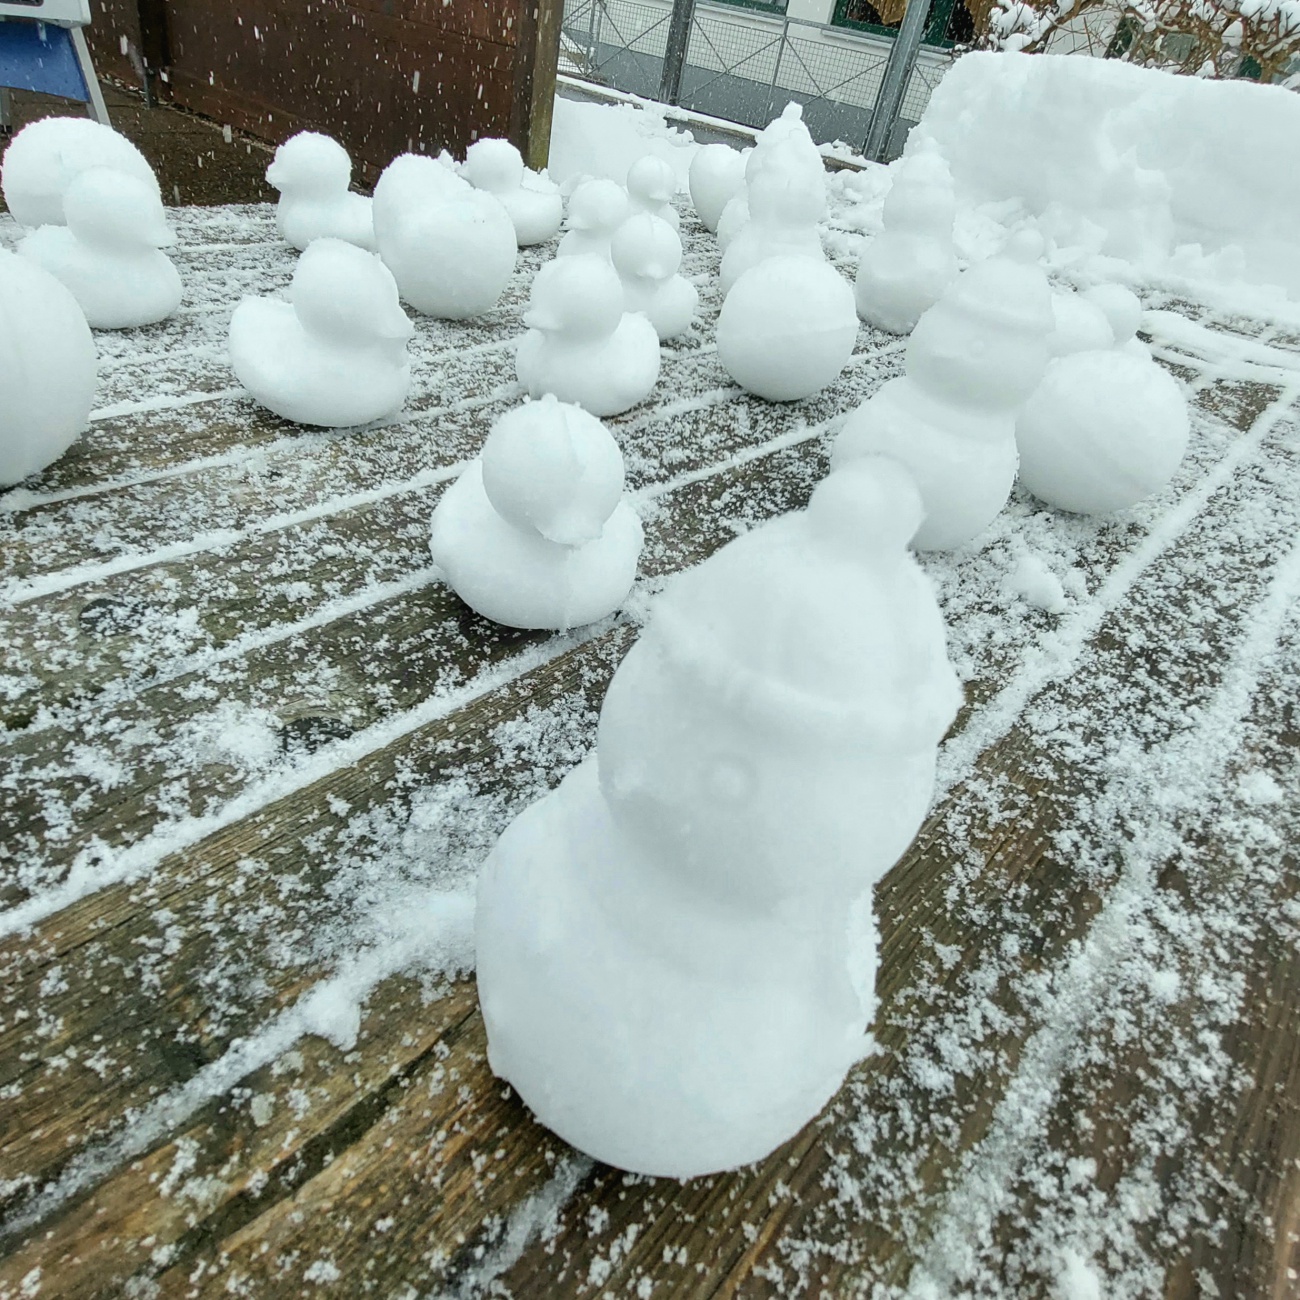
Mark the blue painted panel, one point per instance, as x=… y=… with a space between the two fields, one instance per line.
x=40 y=56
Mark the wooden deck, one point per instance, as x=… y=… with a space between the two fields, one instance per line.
x=252 y=755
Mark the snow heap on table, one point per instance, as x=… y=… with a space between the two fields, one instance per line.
x=530 y=198
x=787 y=328
x=536 y=533
x=581 y=345
x=47 y=369
x=972 y=360
x=1107 y=426
x=450 y=247
x=335 y=353
x=313 y=173
x=44 y=157
x=1160 y=171
x=647 y=253
x=676 y=950
x=905 y=268
x=109 y=254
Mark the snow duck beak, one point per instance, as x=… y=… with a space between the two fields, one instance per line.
x=396 y=326
x=538 y=318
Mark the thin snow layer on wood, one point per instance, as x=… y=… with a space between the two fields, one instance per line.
x=1141 y=166
x=253 y=755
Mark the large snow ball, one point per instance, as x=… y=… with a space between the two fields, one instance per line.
x=787 y=328
x=46 y=155
x=1103 y=431
x=47 y=369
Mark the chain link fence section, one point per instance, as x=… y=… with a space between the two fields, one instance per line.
x=744 y=65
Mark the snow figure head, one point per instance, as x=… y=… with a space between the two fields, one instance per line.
x=783 y=196
x=409 y=183
x=1121 y=307
x=646 y=246
x=773 y=732
x=717 y=173
x=552 y=469
x=310 y=163
x=789 y=128
x=113 y=209
x=581 y=297
x=1079 y=325
x=494 y=165
x=921 y=199
x=44 y=157
x=597 y=205
x=651 y=182
x=983 y=345
x=344 y=294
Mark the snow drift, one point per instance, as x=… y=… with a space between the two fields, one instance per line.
x=1159 y=170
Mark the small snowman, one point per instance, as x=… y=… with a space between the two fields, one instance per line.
x=581 y=345
x=651 y=184
x=676 y=950
x=109 y=254
x=973 y=359
x=451 y=248
x=45 y=156
x=313 y=173
x=784 y=210
x=907 y=266
x=47 y=369
x=787 y=328
x=531 y=199
x=647 y=253
x=335 y=353
x=596 y=210
x=536 y=532
x=1107 y=427
x=716 y=177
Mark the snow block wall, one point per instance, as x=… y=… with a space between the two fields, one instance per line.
x=1128 y=161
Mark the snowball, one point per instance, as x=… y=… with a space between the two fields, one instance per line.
x=787 y=328
x=716 y=176
x=1103 y=431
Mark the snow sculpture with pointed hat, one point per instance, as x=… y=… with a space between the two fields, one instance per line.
x=647 y=253
x=451 y=248
x=531 y=198
x=581 y=345
x=972 y=361
x=313 y=173
x=596 y=210
x=47 y=369
x=906 y=267
x=1107 y=427
x=785 y=206
x=676 y=948
x=44 y=157
x=335 y=353
x=109 y=254
x=536 y=532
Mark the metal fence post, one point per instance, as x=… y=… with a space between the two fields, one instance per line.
x=898 y=71
x=679 y=37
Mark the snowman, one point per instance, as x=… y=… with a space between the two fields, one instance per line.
x=972 y=361
x=676 y=948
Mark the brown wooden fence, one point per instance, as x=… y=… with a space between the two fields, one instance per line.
x=383 y=76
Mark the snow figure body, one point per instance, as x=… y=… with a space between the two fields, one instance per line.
x=44 y=157
x=47 y=369
x=451 y=248
x=651 y=184
x=972 y=360
x=531 y=200
x=536 y=533
x=313 y=173
x=581 y=345
x=1107 y=427
x=787 y=328
x=596 y=210
x=109 y=254
x=784 y=209
x=335 y=353
x=647 y=253
x=676 y=948
x=906 y=267
x=717 y=175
